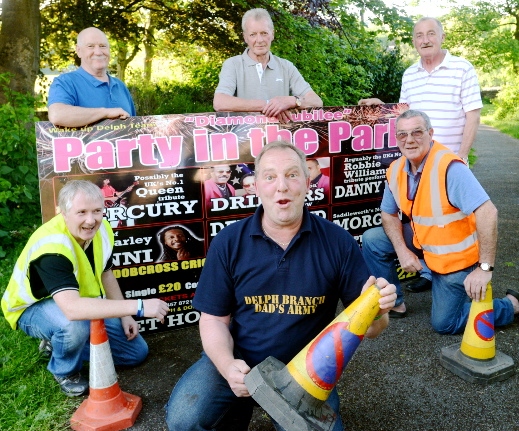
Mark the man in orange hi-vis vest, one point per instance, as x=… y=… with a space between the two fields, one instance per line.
x=453 y=225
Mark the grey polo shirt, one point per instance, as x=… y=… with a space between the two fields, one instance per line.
x=239 y=77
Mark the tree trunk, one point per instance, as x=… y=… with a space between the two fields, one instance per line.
x=20 y=42
x=149 y=49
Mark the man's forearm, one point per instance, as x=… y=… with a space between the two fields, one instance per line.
x=217 y=341
x=486 y=226
x=224 y=102
x=393 y=228
x=64 y=115
x=311 y=100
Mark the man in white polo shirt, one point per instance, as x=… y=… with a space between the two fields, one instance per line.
x=446 y=88
x=259 y=81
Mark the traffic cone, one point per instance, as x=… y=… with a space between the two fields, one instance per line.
x=295 y=395
x=476 y=359
x=107 y=408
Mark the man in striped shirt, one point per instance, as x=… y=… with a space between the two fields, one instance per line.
x=443 y=86
x=446 y=88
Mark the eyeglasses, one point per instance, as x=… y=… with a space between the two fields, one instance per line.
x=417 y=134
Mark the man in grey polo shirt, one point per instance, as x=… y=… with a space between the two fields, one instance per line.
x=259 y=81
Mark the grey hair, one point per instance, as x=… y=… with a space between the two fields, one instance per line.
x=282 y=145
x=411 y=113
x=258 y=14
x=428 y=18
x=67 y=194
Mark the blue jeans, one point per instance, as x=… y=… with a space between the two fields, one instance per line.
x=425 y=272
x=71 y=339
x=202 y=398
x=450 y=303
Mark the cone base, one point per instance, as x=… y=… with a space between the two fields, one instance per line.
x=261 y=386
x=483 y=372
x=123 y=415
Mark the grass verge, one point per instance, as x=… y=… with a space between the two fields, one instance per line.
x=508 y=126
x=30 y=398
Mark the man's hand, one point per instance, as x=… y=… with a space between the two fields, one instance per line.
x=130 y=327
x=116 y=114
x=387 y=293
x=235 y=375
x=279 y=107
x=409 y=261
x=476 y=284
x=369 y=102
x=155 y=308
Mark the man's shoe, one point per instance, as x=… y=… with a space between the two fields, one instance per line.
x=45 y=348
x=397 y=314
x=515 y=294
x=421 y=285
x=73 y=386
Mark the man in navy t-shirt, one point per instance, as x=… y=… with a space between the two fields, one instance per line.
x=270 y=284
x=89 y=94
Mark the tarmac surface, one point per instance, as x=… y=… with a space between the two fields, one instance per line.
x=395 y=382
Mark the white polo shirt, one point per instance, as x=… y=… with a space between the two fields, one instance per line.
x=445 y=95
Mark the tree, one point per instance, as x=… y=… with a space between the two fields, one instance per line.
x=19 y=43
x=486 y=33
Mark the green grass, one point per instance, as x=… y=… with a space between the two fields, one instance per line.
x=30 y=398
x=509 y=126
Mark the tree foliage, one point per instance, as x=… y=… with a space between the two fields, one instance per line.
x=317 y=35
x=19 y=204
x=486 y=33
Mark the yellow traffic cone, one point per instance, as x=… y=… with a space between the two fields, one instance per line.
x=295 y=395
x=476 y=359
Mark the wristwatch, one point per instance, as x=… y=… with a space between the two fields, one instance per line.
x=298 y=102
x=486 y=267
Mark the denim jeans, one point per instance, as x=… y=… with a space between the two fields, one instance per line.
x=450 y=303
x=425 y=272
x=71 y=339
x=202 y=398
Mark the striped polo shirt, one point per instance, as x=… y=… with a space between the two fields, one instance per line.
x=445 y=94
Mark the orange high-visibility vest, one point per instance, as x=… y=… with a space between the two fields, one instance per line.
x=446 y=235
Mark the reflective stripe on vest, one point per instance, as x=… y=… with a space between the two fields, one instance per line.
x=54 y=238
x=447 y=236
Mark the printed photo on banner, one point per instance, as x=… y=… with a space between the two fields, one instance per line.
x=158 y=243
x=229 y=189
x=319 y=169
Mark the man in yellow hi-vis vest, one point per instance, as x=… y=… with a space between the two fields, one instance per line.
x=453 y=225
x=63 y=279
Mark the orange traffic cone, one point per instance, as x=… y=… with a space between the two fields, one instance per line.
x=107 y=408
x=476 y=359
x=295 y=395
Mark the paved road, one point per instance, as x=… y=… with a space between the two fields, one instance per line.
x=395 y=382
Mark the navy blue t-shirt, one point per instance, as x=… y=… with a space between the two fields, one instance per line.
x=279 y=299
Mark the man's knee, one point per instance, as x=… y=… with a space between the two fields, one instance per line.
x=181 y=414
x=77 y=333
x=141 y=353
x=134 y=353
x=371 y=237
x=444 y=326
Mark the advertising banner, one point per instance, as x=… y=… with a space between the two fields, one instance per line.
x=172 y=182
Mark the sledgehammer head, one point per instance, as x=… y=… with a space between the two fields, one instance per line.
x=274 y=389
x=295 y=395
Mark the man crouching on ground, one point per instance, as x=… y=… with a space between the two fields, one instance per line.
x=59 y=283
